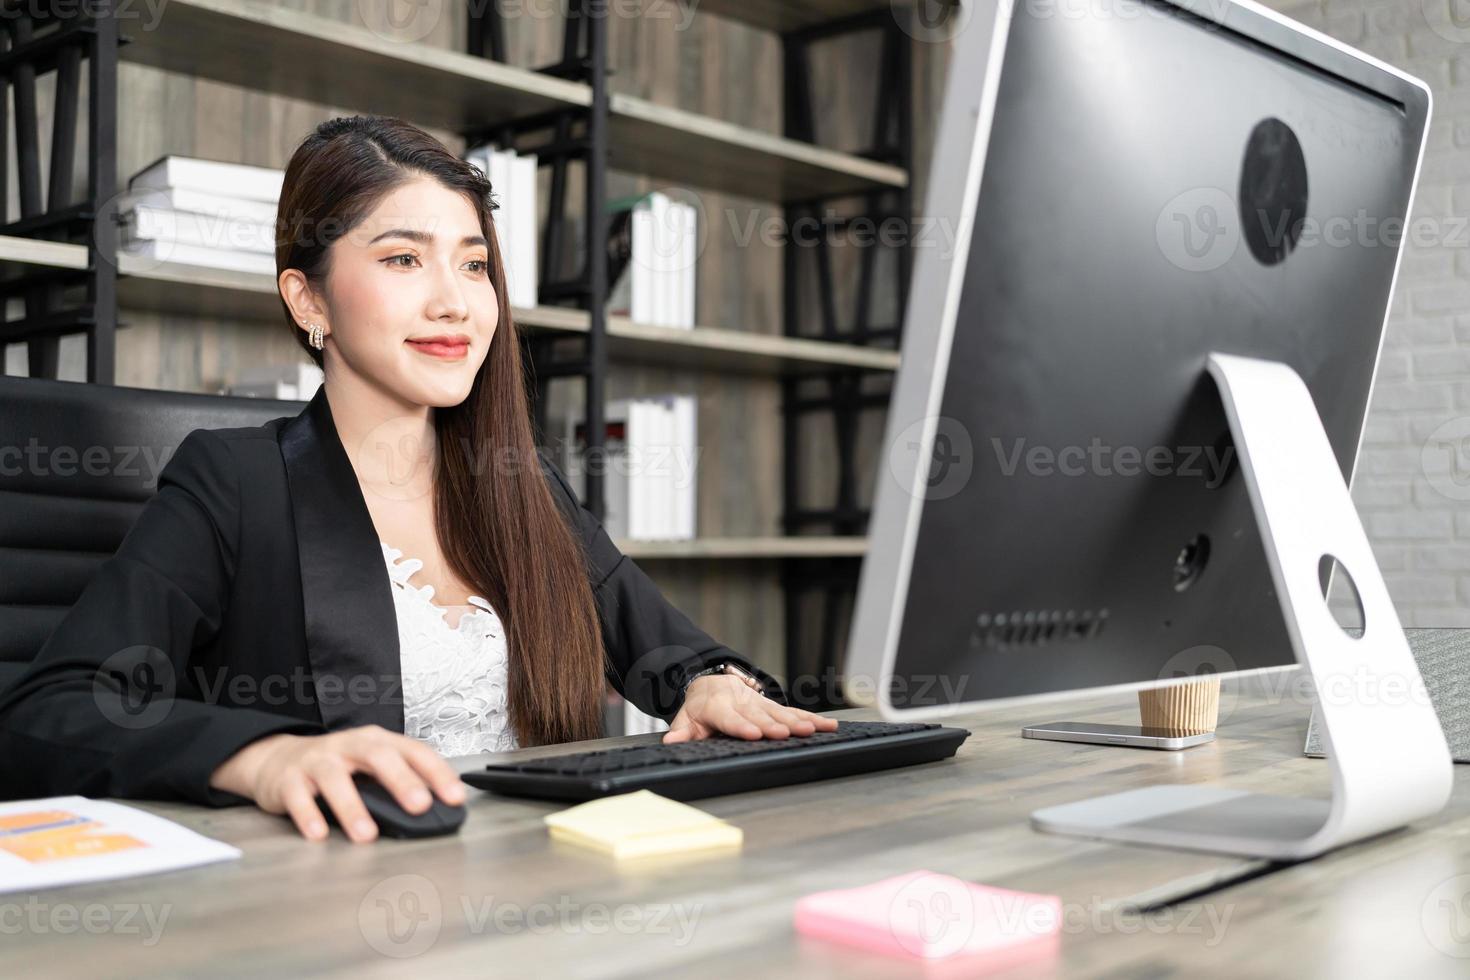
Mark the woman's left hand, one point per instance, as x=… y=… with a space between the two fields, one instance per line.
x=725 y=703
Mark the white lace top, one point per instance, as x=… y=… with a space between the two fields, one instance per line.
x=454 y=677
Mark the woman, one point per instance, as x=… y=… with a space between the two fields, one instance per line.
x=260 y=636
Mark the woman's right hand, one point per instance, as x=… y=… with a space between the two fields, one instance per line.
x=285 y=774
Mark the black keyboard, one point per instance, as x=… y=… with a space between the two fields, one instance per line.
x=722 y=764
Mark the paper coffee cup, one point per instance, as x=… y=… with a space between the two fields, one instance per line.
x=1188 y=708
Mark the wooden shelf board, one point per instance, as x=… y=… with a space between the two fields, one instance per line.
x=675 y=145
x=268 y=47
x=177 y=289
x=717 y=348
x=185 y=290
x=34 y=251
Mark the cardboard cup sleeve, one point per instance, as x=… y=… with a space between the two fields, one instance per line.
x=1187 y=709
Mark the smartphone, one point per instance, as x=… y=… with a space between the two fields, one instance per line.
x=1135 y=736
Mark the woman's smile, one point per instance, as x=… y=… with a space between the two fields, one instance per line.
x=449 y=347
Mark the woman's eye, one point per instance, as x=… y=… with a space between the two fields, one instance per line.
x=392 y=259
x=481 y=265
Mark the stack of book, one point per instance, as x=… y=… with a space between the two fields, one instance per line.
x=513 y=186
x=652 y=253
x=649 y=477
x=202 y=212
x=289 y=382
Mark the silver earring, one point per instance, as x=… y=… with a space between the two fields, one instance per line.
x=318 y=336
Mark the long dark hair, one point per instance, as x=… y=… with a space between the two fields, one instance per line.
x=500 y=532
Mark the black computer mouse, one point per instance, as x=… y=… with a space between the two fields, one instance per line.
x=392 y=819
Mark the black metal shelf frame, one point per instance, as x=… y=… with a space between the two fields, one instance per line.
x=830 y=584
x=574 y=134
x=36 y=42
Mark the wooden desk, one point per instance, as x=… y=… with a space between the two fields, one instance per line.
x=501 y=899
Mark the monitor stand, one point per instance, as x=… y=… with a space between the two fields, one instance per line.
x=1390 y=763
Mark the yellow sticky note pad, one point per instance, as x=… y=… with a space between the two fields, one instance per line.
x=641 y=824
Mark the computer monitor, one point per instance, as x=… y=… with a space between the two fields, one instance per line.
x=1138 y=352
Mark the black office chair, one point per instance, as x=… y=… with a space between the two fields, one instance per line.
x=77 y=463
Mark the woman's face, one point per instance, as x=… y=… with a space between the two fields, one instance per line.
x=416 y=270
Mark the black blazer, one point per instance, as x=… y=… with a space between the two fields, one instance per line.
x=249 y=598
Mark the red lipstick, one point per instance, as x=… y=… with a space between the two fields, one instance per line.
x=449 y=347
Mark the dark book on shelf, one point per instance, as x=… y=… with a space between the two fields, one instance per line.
x=620 y=253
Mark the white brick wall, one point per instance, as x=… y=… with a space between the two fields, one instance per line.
x=1413 y=479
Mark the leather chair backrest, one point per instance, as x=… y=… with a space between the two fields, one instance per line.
x=77 y=464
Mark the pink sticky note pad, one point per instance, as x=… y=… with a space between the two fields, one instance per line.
x=930 y=916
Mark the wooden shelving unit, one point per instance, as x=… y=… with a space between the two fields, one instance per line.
x=269 y=48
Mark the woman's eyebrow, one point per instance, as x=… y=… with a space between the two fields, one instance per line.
x=423 y=237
